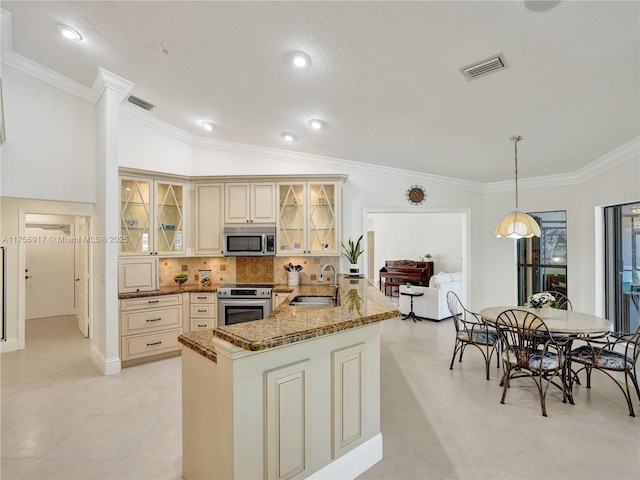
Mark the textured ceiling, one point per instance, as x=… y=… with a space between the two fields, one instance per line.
x=384 y=76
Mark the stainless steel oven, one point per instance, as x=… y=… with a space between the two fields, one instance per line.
x=240 y=303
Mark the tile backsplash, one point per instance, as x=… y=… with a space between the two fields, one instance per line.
x=243 y=269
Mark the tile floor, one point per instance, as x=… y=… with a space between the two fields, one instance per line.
x=61 y=419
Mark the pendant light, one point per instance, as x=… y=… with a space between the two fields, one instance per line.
x=517 y=224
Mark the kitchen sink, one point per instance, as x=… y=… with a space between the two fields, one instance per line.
x=313 y=301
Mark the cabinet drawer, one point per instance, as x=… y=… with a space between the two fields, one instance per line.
x=137 y=346
x=202 y=324
x=203 y=297
x=146 y=302
x=151 y=319
x=203 y=310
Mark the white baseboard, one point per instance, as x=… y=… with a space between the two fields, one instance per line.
x=108 y=367
x=9 y=345
x=353 y=463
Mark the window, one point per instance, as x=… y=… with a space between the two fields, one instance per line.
x=542 y=262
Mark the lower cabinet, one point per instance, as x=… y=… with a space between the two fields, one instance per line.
x=306 y=409
x=203 y=310
x=277 y=298
x=149 y=328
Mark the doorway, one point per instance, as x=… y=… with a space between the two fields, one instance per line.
x=56 y=268
x=410 y=234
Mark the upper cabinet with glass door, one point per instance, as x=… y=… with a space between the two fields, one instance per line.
x=152 y=216
x=309 y=217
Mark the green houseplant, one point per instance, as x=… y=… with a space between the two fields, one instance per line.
x=352 y=252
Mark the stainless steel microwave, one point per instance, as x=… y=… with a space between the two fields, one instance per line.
x=245 y=240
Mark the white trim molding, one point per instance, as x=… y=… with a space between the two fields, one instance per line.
x=354 y=463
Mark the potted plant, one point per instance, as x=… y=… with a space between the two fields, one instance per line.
x=352 y=253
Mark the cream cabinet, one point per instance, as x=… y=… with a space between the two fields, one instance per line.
x=149 y=328
x=309 y=218
x=277 y=298
x=137 y=274
x=209 y=208
x=250 y=202
x=203 y=310
x=152 y=216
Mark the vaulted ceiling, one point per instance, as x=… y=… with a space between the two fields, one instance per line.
x=384 y=76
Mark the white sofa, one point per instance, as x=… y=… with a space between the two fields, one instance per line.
x=433 y=304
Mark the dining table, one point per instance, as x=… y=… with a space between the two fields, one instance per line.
x=568 y=325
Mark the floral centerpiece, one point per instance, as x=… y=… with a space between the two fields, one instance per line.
x=539 y=300
x=542 y=302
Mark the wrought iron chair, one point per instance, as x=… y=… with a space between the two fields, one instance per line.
x=528 y=349
x=618 y=352
x=562 y=301
x=472 y=330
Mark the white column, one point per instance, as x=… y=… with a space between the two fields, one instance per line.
x=105 y=349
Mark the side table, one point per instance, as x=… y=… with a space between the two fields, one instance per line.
x=411 y=314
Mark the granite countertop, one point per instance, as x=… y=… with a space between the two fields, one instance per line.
x=186 y=288
x=361 y=303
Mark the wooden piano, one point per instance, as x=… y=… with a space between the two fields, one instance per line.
x=399 y=272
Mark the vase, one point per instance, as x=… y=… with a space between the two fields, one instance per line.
x=293 y=278
x=354 y=269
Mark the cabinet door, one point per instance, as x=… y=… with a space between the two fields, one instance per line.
x=169 y=216
x=135 y=215
x=292 y=237
x=208 y=219
x=323 y=207
x=236 y=203
x=263 y=199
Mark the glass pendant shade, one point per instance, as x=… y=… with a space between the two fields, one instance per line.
x=517 y=225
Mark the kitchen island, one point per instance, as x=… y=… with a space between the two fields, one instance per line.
x=295 y=395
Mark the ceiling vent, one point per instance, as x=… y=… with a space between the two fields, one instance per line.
x=138 y=102
x=484 y=67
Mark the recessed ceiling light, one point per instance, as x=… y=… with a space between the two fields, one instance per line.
x=317 y=124
x=208 y=126
x=300 y=60
x=69 y=32
x=288 y=137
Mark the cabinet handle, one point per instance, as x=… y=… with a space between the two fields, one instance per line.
x=154 y=319
x=202 y=325
x=154 y=343
x=153 y=301
x=201 y=298
x=201 y=311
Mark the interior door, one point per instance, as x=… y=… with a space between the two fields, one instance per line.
x=81 y=266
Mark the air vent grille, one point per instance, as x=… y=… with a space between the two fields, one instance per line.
x=138 y=102
x=484 y=67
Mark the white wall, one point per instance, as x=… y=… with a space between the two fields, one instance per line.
x=409 y=236
x=51 y=136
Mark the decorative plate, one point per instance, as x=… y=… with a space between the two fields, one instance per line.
x=416 y=195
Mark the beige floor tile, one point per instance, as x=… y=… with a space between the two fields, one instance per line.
x=62 y=418
x=67 y=469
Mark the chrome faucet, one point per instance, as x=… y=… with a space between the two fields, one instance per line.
x=335 y=276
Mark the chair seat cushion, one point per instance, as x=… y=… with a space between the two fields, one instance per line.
x=604 y=358
x=550 y=361
x=478 y=336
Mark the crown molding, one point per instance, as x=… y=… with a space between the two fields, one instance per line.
x=624 y=153
x=137 y=115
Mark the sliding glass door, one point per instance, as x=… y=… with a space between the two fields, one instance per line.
x=622 y=266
